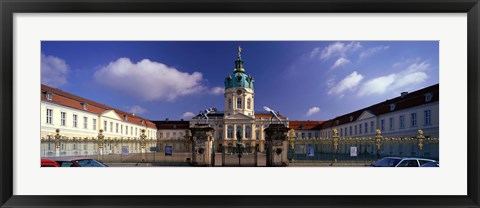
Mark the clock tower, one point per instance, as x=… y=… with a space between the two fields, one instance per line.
x=239 y=93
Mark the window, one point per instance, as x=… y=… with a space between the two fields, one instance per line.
x=116 y=127
x=249 y=103
x=168 y=135
x=75 y=120
x=309 y=134
x=257 y=135
x=428 y=97
x=345 y=131
x=94 y=124
x=316 y=134
x=360 y=128
x=391 y=123
x=174 y=134
x=355 y=129
x=239 y=102
x=303 y=135
x=126 y=130
x=161 y=135
x=85 y=122
x=111 y=126
x=84 y=106
x=136 y=131
x=230 y=132
x=248 y=132
x=63 y=118
x=366 y=127
x=413 y=121
x=382 y=125
x=372 y=127
x=131 y=130
x=49 y=96
x=350 y=131
x=49 y=116
x=239 y=130
x=402 y=121
x=121 y=129
x=105 y=125
x=229 y=103
x=392 y=107
x=428 y=117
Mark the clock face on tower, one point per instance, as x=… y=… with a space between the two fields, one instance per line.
x=239 y=92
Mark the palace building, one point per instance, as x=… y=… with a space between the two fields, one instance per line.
x=80 y=119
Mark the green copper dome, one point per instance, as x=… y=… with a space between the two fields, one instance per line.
x=239 y=78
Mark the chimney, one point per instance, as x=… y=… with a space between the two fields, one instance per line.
x=403 y=94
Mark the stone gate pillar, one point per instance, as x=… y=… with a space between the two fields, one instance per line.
x=202 y=140
x=277 y=145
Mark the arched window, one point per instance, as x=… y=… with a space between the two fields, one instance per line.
x=239 y=102
x=229 y=103
x=248 y=131
x=230 y=132
x=249 y=103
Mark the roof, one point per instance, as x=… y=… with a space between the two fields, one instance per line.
x=258 y=114
x=305 y=125
x=401 y=102
x=73 y=101
x=167 y=124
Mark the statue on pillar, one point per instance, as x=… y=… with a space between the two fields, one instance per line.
x=204 y=114
x=273 y=113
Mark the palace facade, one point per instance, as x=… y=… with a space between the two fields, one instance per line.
x=79 y=120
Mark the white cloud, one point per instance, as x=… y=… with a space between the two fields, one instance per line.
x=217 y=91
x=412 y=75
x=315 y=52
x=136 y=109
x=149 y=80
x=350 y=83
x=340 y=62
x=337 y=49
x=188 y=115
x=312 y=111
x=371 y=51
x=54 y=71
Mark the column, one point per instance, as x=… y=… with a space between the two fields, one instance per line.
x=234 y=132
x=225 y=131
x=243 y=131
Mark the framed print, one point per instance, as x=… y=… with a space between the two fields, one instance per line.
x=300 y=104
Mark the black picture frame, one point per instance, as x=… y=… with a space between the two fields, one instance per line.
x=10 y=7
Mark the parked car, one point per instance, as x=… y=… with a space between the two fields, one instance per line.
x=401 y=162
x=77 y=162
x=431 y=164
x=49 y=163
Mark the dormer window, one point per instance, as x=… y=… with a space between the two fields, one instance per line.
x=126 y=117
x=337 y=122
x=392 y=107
x=428 y=97
x=49 y=96
x=351 y=118
x=85 y=105
x=302 y=126
x=143 y=122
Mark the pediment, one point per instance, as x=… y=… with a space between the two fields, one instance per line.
x=239 y=116
x=365 y=115
x=111 y=114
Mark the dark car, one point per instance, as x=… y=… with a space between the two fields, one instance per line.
x=77 y=162
x=48 y=163
x=401 y=162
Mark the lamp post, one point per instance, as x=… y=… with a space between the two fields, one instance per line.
x=420 y=139
x=57 y=142
x=378 y=142
x=335 y=143
x=100 y=142
x=239 y=146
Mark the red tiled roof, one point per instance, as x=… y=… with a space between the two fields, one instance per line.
x=172 y=124
x=305 y=125
x=73 y=101
x=412 y=99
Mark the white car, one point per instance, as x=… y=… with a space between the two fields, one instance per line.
x=401 y=162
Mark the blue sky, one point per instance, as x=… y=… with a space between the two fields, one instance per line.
x=303 y=80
